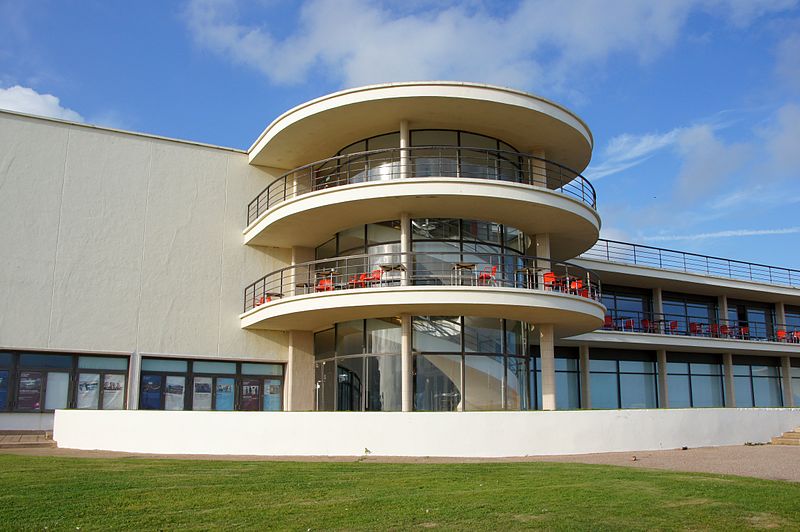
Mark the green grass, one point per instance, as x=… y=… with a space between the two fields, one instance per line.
x=132 y=493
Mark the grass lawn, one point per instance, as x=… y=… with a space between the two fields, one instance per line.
x=132 y=493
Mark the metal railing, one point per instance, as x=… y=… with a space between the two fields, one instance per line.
x=683 y=325
x=423 y=161
x=422 y=269
x=668 y=259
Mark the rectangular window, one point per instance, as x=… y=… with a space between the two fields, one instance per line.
x=113 y=391
x=757 y=381
x=88 y=391
x=4 y=387
x=29 y=391
x=623 y=379
x=694 y=380
x=437 y=382
x=57 y=390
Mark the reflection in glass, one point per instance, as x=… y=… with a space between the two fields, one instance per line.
x=201 y=395
x=678 y=386
x=437 y=383
x=88 y=391
x=57 y=393
x=604 y=391
x=436 y=334
x=638 y=390
x=483 y=335
x=384 y=383
x=706 y=391
x=743 y=389
x=224 y=393
x=517 y=394
x=174 y=393
x=483 y=382
x=350 y=381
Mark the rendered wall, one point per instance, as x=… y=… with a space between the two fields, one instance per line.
x=479 y=434
x=120 y=242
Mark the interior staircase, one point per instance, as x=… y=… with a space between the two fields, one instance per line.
x=26 y=439
x=788 y=438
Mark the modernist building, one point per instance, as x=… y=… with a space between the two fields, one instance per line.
x=403 y=247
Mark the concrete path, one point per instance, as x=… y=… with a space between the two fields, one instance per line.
x=773 y=462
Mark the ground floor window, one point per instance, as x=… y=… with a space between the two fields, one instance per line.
x=44 y=382
x=623 y=379
x=695 y=380
x=568 y=381
x=795 y=369
x=177 y=384
x=757 y=381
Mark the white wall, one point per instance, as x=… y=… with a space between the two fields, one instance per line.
x=122 y=242
x=478 y=434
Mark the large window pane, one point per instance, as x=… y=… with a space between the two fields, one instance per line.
x=4 y=379
x=150 y=392
x=567 y=391
x=603 y=388
x=214 y=367
x=201 y=395
x=325 y=344
x=250 y=395
x=88 y=391
x=767 y=392
x=706 y=391
x=45 y=361
x=273 y=393
x=638 y=390
x=164 y=364
x=678 y=387
x=350 y=337
x=29 y=392
x=483 y=335
x=384 y=335
x=483 y=382
x=434 y=334
x=384 y=383
x=57 y=393
x=515 y=339
x=224 y=393
x=351 y=383
x=517 y=395
x=437 y=383
x=744 y=392
x=326 y=385
x=113 y=392
x=796 y=391
x=113 y=363
x=261 y=369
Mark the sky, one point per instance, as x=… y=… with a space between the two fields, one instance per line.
x=694 y=104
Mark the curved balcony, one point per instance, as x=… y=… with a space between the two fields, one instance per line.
x=309 y=204
x=315 y=294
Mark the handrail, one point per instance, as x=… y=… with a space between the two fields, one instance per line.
x=422 y=269
x=685 y=325
x=422 y=161
x=669 y=259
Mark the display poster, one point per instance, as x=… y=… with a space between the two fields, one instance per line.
x=201 y=399
x=224 y=393
x=173 y=393
x=272 y=395
x=29 y=396
x=88 y=390
x=3 y=390
x=151 y=392
x=251 y=394
x=113 y=392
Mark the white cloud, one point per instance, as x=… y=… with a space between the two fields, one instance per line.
x=787 y=61
x=27 y=100
x=782 y=142
x=707 y=160
x=627 y=150
x=732 y=233
x=537 y=44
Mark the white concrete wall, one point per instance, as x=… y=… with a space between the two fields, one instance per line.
x=123 y=242
x=479 y=434
x=26 y=421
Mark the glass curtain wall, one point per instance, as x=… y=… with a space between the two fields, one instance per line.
x=688 y=314
x=623 y=379
x=757 y=381
x=795 y=369
x=628 y=308
x=358 y=366
x=695 y=380
x=751 y=320
x=568 y=379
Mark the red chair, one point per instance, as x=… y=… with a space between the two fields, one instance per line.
x=695 y=329
x=724 y=331
x=576 y=286
x=356 y=281
x=488 y=275
x=744 y=332
x=714 y=330
x=673 y=327
x=324 y=285
x=608 y=323
x=647 y=326
x=796 y=337
x=780 y=335
x=628 y=325
x=372 y=278
x=549 y=279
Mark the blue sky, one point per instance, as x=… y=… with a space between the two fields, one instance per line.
x=694 y=104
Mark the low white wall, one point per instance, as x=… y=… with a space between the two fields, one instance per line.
x=477 y=434
x=25 y=421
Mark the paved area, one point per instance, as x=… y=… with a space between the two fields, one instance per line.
x=774 y=462
x=24 y=440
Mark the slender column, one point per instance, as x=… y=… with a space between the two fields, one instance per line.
x=658 y=308
x=300 y=385
x=405 y=247
x=786 y=376
x=538 y=168
x=134 y=372
x=547 y=353
x=663 y=394
x=405 y=142
x=406 y=364
x=586 y=392
x=543 y=252
x=780 y=315
x=722 y=303
x=296 y=284
x=730 y=395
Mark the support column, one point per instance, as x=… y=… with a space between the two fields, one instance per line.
x=134 y=373
x=730 y=394
x=299 y=385
x=303 y=276
x=547 y=353
x=586 y=392
x=786 y=378
x=543 y=252
x=663 y=393
x=658 y=309
x=538 y=168
x=406 y=364
x=405 y=247
x=722 y=303
x=780 y=315
x=405 y=142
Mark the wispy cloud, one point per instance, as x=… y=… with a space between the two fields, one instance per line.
x=732 y=233
x=535 y=44
x=628 y=150
x=27 y=100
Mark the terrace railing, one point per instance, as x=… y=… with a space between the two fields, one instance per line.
x=668 y=259
x=422 y=269
x=423 y=161
x=683 y=325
